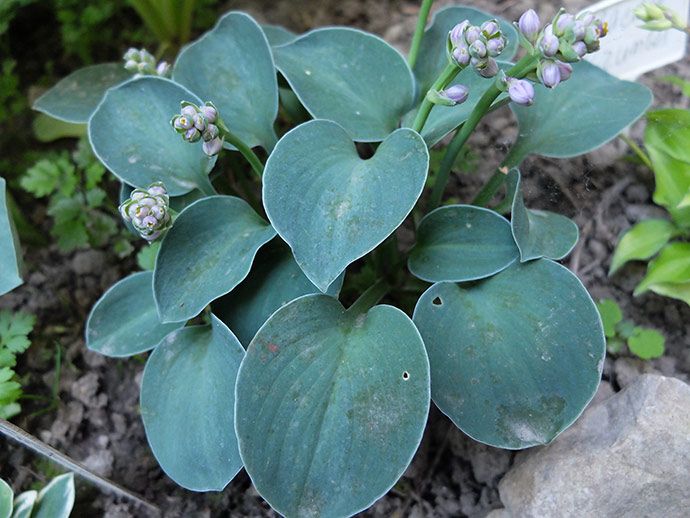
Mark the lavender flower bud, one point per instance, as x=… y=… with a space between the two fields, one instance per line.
x=189 y=111
x=199 y=122
x=548 y=73
x=209 y=112
x=520 y=91
x=580 y=48
x=157 y=189
x=561 y=22
x=575 y=31
x=490 y=29
x=490 y=69
x=456 y=33
x=548 y=45
x=210 y=132
x=457 y=93
x=213 y=147
x=495 y=46
x=478 y=49
x=192 y=135
x=565 y=70
x=148 y=211
x=162 y=69
x=529 y=24
x=181 y=123
x=132 y=54
x=587 y=18
x=131 y=65
x=461 y=55
x=472 y=34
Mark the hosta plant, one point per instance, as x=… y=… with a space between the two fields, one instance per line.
x=324 y=405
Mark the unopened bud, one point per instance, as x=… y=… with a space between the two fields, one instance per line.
x=192 y=135
x=565 y=70
x=495 y=46
x=472 y=34
x=548 y=73
x=478 y=49
x=209 y=112
x=529 y=24
x=457 y=93
x=213 y=147
x=490 y=69
x=148 y=211
x=520 y=91
x=548 y=45
x=461 y=55
x=210 y=132
x=456 y=33
x=490 y=29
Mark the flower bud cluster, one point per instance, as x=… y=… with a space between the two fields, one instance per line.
x=143 y=63
x=477 y=46
x=199 y=122
x=148 y=211
x=658 y=17
x=566 y=40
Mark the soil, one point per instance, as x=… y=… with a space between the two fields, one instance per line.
x=97 y=421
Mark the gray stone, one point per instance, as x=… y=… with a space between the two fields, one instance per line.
x=88 y=261
x=640 y=212
x=626 y=456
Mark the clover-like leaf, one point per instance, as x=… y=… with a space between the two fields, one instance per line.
x=232 y=66
x=323 y=396
x=515 y=358
x=76 y=96
x=187 y=405
x=538 y=233
x=432 y=59
x=10 y=249
x=331 y=206
x=125 y=321
x=130 y=133
x=462 y=243
x=350 y=77
x=275 y=280
x=56 y=499
x=208 y=251
x=581 y=114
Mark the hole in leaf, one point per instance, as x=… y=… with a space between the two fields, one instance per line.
x=364 y=150
x=406 y=375
x=437 y=301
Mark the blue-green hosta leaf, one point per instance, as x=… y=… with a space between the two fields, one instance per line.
x=642 y=241
x=232 y=66
x=274 y=281
x=444 y=119
x=462 y=243
x=187 y=405
x=56 y=499
x=331 y=206
x=208 y=251
x=515 y=358
x=130 y=133
x=277 y=35
x=432 y=59
x=76 y=96
x=350 y=77
x=24 y=504
x=6 y=497
x=538 y=233
x=10 y=249
x=330 y=406
x=577 y=116
x=125 y=321
x=672 y=265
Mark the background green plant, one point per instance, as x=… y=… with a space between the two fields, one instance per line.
x=14 y=340
x=642 y=342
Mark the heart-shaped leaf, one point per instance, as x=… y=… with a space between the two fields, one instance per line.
x=350 y=77
x=76 y=96
x=323 y=397
x=6 y=496
x=577 y=116
x=462 y=243
x=187 y=405
x=515 y=358
x=444 y=119
x=642 y=241
x=208 y=251
x=274 y=281
x=432 y=58
x=277 y=35
x=232 y=67
x=24 y=504
x=56 y=499
x=538 y=233
x=331 y=206
x=130 y=133
x=124 y=321
x=10 y=249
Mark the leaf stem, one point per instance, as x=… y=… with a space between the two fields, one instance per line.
x=446 y=77
x=370 y=297
x=643 y=156
x=419 y=32
x=490 y=187
x=483 y=106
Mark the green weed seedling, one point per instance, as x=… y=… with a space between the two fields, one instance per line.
x=14 y=340
x=643 y=343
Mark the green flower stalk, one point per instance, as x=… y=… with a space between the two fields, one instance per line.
x=148 y=211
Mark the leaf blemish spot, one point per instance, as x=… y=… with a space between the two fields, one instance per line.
x=437 y=301
x=405 y=375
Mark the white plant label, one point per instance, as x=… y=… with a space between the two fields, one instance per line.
x=629 y=51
